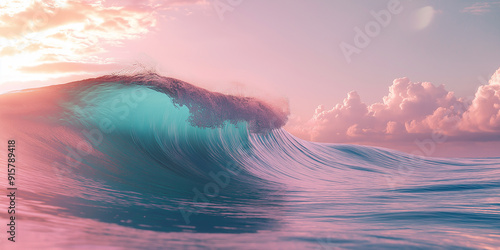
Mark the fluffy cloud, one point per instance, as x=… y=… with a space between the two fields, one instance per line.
x=410 y=109
x=71 y=26
x=484 y=113
x=35 y=33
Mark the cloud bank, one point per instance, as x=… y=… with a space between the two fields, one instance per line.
x=36 y=35
x=410 y=109
x=68 y=30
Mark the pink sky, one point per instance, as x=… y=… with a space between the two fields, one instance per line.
x=429 y=67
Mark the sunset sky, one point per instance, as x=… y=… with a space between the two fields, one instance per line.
x=424 y=66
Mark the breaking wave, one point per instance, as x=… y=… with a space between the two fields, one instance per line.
x=160 y=162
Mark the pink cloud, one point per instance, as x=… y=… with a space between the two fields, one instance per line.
x=74 y=30
x=484 y=113
x=480 y=8
x=410 y=109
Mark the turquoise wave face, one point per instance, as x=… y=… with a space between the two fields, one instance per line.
x=130 y=150
x=113 y=115
x=126 y=163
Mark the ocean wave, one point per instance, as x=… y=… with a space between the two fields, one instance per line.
x=154 y=153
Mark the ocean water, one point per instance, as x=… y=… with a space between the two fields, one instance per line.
x=147 y=162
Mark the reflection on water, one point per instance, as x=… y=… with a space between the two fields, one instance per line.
x=343 y=207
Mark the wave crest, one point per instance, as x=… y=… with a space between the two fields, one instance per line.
x=208 y=109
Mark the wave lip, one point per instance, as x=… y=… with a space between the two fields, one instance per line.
x=208 y=109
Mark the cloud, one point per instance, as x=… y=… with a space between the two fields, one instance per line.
x=71 y=27
x=409 y=109
x=480 y=8
x=36 y=35
x=484 y=113
x=162 y=3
